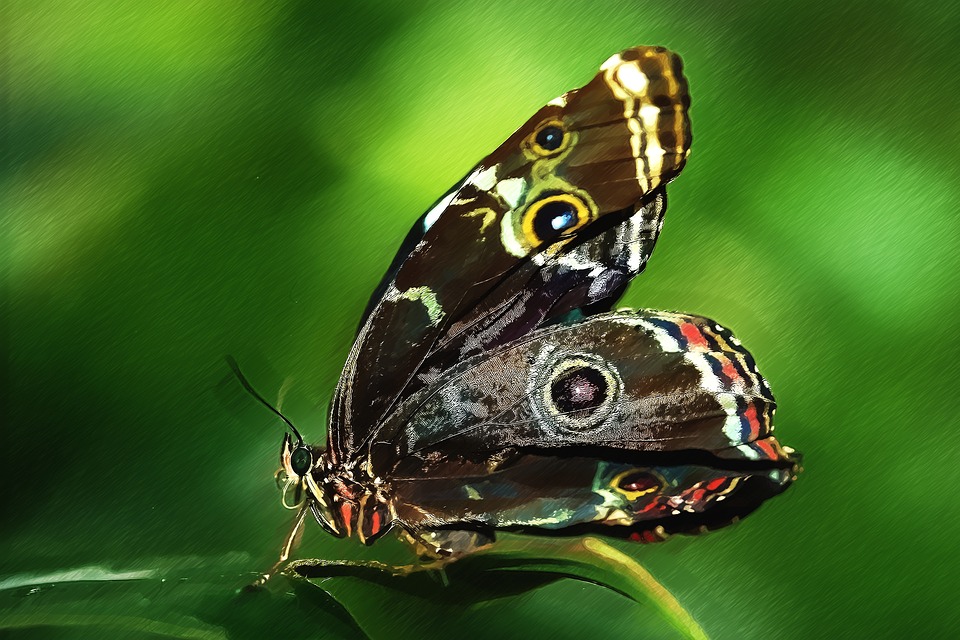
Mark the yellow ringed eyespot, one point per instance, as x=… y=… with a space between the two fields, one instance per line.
x=550 y=138
x=553 y=217
x=635 y=483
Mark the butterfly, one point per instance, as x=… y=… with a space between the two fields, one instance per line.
x=491 y=387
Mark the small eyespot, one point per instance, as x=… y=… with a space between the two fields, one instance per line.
x=549 y=139
x=554 y=217
x=636 y=483
x=301 y=460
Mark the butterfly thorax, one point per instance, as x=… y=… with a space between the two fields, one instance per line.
x=359 y=506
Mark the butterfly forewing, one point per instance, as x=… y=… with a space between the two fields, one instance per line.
x=587 y=276
x=498 y=256
x=639 y=381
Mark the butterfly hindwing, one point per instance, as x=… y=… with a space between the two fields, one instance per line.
x=640 y=500
x=633 y=424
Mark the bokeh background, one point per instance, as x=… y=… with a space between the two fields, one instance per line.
x=192 y=178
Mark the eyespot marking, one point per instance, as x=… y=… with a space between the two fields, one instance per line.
x=635 y=483
x=550 y=138
x=553 y=217
x=579 y=391
x=573 y=391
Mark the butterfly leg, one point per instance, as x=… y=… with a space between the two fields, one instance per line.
x=435 y=548
x=291 y=541
x=446 y=545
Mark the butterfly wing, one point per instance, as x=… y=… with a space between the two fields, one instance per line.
x=643 y=381
x=633 y=420
x=641 y=499
x=533 y=232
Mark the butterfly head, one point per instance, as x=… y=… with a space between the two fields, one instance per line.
x=343 y=503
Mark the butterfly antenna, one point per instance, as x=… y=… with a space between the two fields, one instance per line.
x=246 y=385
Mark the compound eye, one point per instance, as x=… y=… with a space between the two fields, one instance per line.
x=554 y=217
x=301 y=460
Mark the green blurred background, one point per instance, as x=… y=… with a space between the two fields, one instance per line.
x=194 y=178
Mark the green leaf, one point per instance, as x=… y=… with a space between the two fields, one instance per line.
x=208 y=602
x=531 y=563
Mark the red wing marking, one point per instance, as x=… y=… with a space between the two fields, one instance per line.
x=346 y=511
x=767 y=449
x=715 y=484
x=693 y=335
x=730 y=371
x=751 y=415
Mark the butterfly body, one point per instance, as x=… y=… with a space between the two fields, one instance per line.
x=489 y=386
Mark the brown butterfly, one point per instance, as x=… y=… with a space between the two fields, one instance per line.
x=490 y=387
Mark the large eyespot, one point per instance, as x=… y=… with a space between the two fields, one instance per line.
x=301 y=460
x=575 y=392
x=553 y=217
x=579 y=391
x=550 y=138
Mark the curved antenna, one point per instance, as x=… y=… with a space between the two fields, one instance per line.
x=246 y=385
